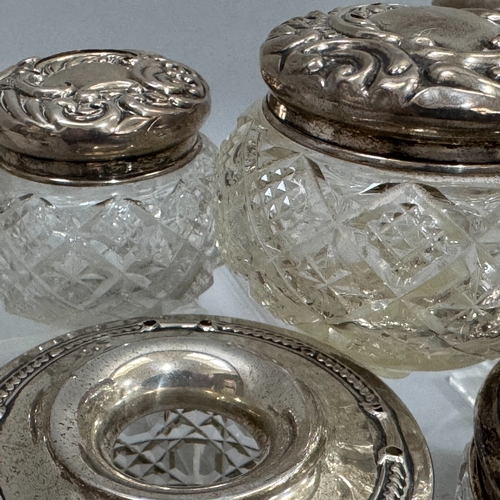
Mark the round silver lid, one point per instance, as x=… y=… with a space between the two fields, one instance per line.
x=82 y=115
x=202 y=407
x=390 y=84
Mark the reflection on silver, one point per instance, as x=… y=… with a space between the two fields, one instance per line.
x=185 y=448
x=96 y=116
x=287 y=419
x=389 y=85
x=479 y=477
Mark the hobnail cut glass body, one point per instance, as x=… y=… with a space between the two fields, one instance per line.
x=398 y=269
x=72 y=256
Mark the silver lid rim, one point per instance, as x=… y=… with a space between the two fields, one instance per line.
x=101 y=173
x=332 y=139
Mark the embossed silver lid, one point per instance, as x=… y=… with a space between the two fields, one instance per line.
x=99 y=116
x=202 y=408
x=390 y=85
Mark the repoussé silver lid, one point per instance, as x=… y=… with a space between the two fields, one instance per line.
x=97 y=116
x=390 y=85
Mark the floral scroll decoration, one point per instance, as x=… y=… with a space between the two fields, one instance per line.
x=154 y=87
x=352 y=56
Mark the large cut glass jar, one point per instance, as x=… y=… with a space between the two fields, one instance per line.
x=361 y=197
x=104 y=187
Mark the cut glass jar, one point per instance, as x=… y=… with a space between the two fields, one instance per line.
x=105 y=196
x=360 y=198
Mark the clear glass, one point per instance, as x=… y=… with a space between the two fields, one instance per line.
x=464 y=490
x=468 y=381
x=76 y=256
x=185 y=448
x=398 y=269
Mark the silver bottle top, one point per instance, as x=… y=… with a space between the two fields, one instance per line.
x=390 y=85
x=97 y=116
x=155 y=409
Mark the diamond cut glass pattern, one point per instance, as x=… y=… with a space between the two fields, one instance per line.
x=68 y=254
x=395 y=268
x=185 y=448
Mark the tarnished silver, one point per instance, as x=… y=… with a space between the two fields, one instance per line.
x=324 y=427
x=99 y=219
x=97 y=116
x=468 y=4
x=480 y=474
x=390 y=85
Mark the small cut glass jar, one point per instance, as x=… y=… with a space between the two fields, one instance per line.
x=105 y=197
x=360 y=198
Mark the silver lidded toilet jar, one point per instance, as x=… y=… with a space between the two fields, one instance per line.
x=105 y=197
x=361 y=196
x=202 y=408
x=479 y=476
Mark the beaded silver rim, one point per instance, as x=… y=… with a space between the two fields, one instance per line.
x=85 y=411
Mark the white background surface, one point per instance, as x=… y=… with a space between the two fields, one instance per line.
x=221 y=40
